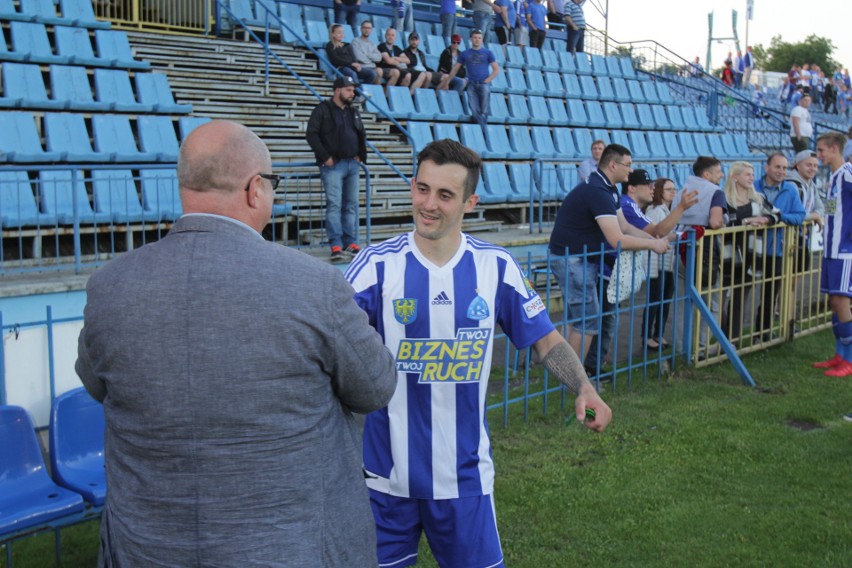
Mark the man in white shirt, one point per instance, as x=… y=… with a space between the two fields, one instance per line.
x=801 y=128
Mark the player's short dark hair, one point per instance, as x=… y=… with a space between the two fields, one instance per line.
x=612 y=152
x=447 y=151
x=704 y=163
x=835 y=139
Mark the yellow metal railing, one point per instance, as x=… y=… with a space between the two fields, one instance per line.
x=187 y=16
x=760 y=299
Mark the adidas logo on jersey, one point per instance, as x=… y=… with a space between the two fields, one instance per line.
x=442 y=300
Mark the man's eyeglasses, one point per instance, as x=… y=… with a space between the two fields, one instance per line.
x=628 y=166
x=275 y=179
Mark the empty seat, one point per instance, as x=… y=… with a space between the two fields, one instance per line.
x=621 y=92
x=28 y=497
x=628 y=115
x=75 y=45
x=717 y=149
x=376 y=101
x=500 y=83
x=515 y=57
x=497 y=109
x=584 y=66
x=472 y=137
x=687 y=145
x=523 y=188
x=567 y=178
x=589 y=88
x=577 y=113
x=451 y=106
x=533 y=57
x=114 y=46
x=664 y=93
x=160 y=193
x=613 y=65
x=703 y=120
x=30 y=43
x=18 y=208
x=522 y=146
x=498 y=142
x=535 y=83
x=558 y=113
x=539 y=112
x=444 y=131
x=66 y=133
x=673 y=148
x=549 y=59
x=499 y=54
x=621 y=137
x=496 y=183
x=627 y=68
x=61 y=193
x=675 y=117
x=553 y=83
x=154 y=89
x=113 y=135
x=702 y=144
x=519 y=110
x=601 y=134
x=613 y=115
x=566 y=62
x=599 y=66
x=24 y=83
x=595 y=114
x=605 y=89
x=660 y=117
x=187 y=124
x=564 y=142
x=20 y=141
x=76 y=435
x=157 y=136
x=115 y=192
x=292 y=28
x=43 y=11
x=583 y=140
x=112 y=86
x=656 y=146
x=242 y=10
x=638 y=145
x=420 y=134
x=80 y=13
x=70 y=85
x=649 y=88
x=543 y=142
x=646 y=117
x=8 y=12
x=637 y=95
x=689 y=120
x=517 y=82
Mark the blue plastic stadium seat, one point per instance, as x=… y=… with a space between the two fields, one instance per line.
x=402 y=105
x=605 y=89
x=318 y=14
x=500 y=84
x=496 y=183
x=599 y=66
x=420 y=133
x=573 y=90
x=567 y=178
x=75 y=45
x=554 y=85
x=77 y=445
x=61 y=192
x=473 y=138
x=242 y=10
x=24 y=83
x=535 y=83
x=664 y=93
x=577 y=113
x=20 y=141
x=646 y=117
x=675 y=117
x=584 y=66
x=717 y=149
x=519 y=110
x=29 y=41
x=497 y=109
x=114 y=46
x=426 y=104
x=187 y=124
x=375 y=95
x=515 y=57
x=8 y=12
x=114 y=192
x=18 y=208
x=730 y=146
x=703 y=120
x=523 y=187
x=637 y=95
x=292 y=27
x=499 y=54
x=649 y=88
x=516 y=82
x=638 y=145
x=5 y=54
x=66 y=133
x=522 y=146
x=112 y=86
x=42 y=11
x=317 y=33
x=28 y=497
x=558 y=113
x=543 y=142
x=627 y=68
x=621 y=92
x=157 y=136
x=160 y=193
x=673 y=148
x=613 y=66
x=446 y=131
x=566 y=62
x=613 y=115
x=533 y=57
x=113 y=135
x=451 y=106
x=595 y=114
x=621 y=137
x=433 y=44
x=660 y=117
x=549 y=60
x=70 y=85
x=583 y=140
x=602 y=134
x=656 y=145
x=589 y=88
x=702 y=144
x=79 y=13
x=539 y=113
x=689 y=120
x=499 y=147
x=564 y=142
x=628 y=115
x=154 y=89
x=687 y=145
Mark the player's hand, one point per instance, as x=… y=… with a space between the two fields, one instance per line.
x=589 y=398
x=688 y=199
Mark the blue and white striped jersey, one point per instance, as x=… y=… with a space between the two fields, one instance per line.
x=838 y=214
x=431 y=442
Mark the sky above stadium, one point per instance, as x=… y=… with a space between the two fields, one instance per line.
x=681 y=25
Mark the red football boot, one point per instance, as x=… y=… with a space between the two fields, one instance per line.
x=830 y=364
x=844 y=369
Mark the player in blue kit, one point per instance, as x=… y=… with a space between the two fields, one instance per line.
x=837 y=257
x=436 y=294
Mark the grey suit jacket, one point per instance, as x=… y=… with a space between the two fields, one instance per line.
x=229 y=368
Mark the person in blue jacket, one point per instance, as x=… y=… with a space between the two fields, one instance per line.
x=783 y=196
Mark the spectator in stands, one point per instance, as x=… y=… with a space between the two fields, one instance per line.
x=661 y=274
x=590 y=219
x=521 y=26
x=231 y=403
x=536 y=20
x=785 y=93
x=477 y=62
x=748 y=66
x=346 y=11
x=738 y=69
x=708 y=213
x=448 y=19
x=368 y=55
x=847 y=150
x=781 y=195
x=695 y=68
x=421 y=74
x=504 y=21
x=448 y=59
x=575 y=21
x=746 y=208
x=483 y=16
x=758 y=103
x=818 y=88
x=337 y=137
x=728 y=73
x=801 y=128
x=556 y=14
x=589 y=165
x=412 y=449
x=836 y=262
x=830 y=98
x=394 y=59
x=403 y=15
x=342 y=57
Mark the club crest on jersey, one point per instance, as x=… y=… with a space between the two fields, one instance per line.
x=478 y=308
x=405 y=310
x=530 y=288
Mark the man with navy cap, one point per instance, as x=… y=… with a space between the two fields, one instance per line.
x=638 y=192
x=336 y=135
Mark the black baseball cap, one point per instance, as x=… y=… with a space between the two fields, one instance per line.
x=639 y=177
x=345 y=81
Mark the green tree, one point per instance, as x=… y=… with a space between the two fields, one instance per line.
x=781 y=55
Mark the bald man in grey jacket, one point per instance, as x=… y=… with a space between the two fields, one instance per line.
x=229 y=368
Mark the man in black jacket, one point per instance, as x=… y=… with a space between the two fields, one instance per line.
x=448 y=59
x=337 y=137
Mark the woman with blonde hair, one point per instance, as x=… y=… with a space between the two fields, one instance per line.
x=341 y=56
x=746 y=207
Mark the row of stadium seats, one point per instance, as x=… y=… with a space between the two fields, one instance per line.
x=70 y=88
x=78 y=13
x=31 y=44
x=67 y=138
x=571 y=85
x=427 y=104
x=520 y=142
